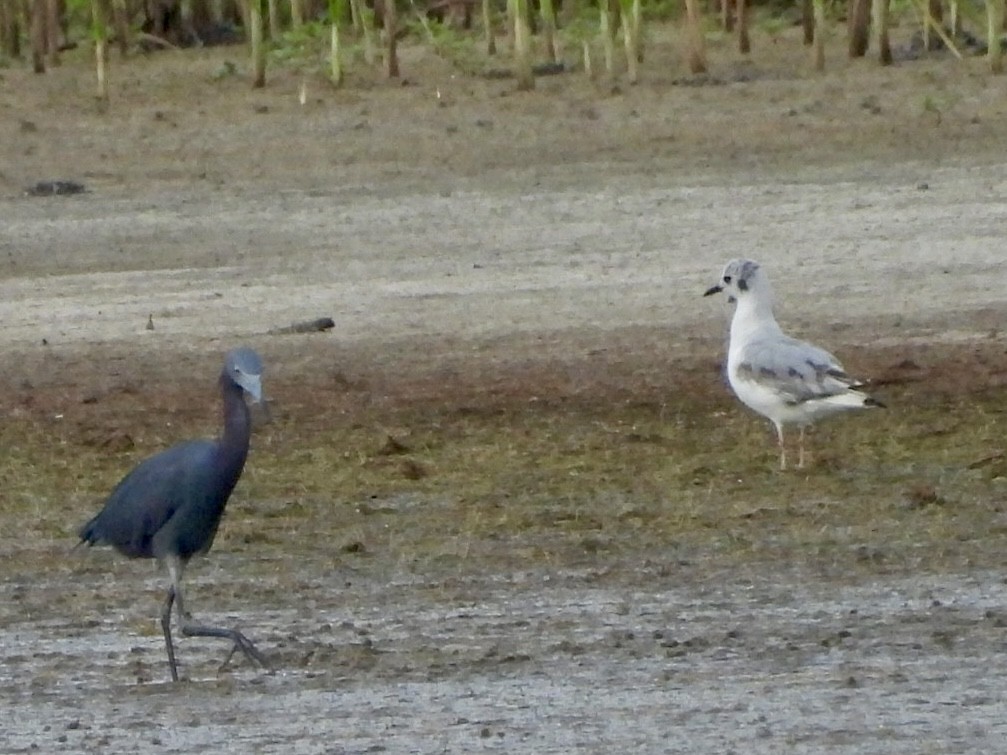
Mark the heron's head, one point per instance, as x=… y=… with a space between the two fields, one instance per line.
x=244 y=368
x=740 y=278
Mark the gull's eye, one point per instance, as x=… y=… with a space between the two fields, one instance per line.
x=727 y=279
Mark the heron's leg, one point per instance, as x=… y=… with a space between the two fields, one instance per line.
x=241 y=642
x=800 y=450
x=783 y=448
x=175 y=568
x=190 y=629
x=166 y=627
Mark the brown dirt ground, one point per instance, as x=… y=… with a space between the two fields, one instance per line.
x=508 y=503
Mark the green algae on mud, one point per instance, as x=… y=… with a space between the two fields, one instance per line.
x=627 y=457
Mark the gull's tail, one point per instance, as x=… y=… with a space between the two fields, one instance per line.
x=852 y=399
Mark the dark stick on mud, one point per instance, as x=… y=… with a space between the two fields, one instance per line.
x=307 y=326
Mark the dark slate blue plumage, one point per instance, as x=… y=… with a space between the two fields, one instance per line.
x=155 y=501
x=170 y=505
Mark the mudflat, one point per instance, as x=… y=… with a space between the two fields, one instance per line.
x=508 y=502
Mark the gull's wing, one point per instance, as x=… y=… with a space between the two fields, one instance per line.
x=796 y=370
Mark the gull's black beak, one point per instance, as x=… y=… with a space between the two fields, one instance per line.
x=713 y=290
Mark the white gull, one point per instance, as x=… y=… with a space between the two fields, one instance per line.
x=790 y=382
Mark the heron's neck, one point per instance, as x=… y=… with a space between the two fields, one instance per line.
x=237 y=424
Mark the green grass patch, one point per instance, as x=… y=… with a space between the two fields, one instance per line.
x=565 y=479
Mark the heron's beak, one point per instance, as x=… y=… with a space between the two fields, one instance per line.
x=252 y=385
x=713 y=290
x=267 y=413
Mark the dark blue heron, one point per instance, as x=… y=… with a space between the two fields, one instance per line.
x=169 y=506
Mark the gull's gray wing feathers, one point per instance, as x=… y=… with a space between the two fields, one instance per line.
x=797 y=370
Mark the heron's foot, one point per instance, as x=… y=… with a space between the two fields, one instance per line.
x=241 y=643
x=247 y=648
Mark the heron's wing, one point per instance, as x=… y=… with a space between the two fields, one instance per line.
x=796 y=370
x=146 y=498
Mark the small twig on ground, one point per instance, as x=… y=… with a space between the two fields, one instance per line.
x=307 y=326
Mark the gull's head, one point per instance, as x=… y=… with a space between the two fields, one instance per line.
x=741 y=278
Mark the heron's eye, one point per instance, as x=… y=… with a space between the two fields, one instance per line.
x=727 y=279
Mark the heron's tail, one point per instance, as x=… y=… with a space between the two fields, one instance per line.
x=89 y=533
